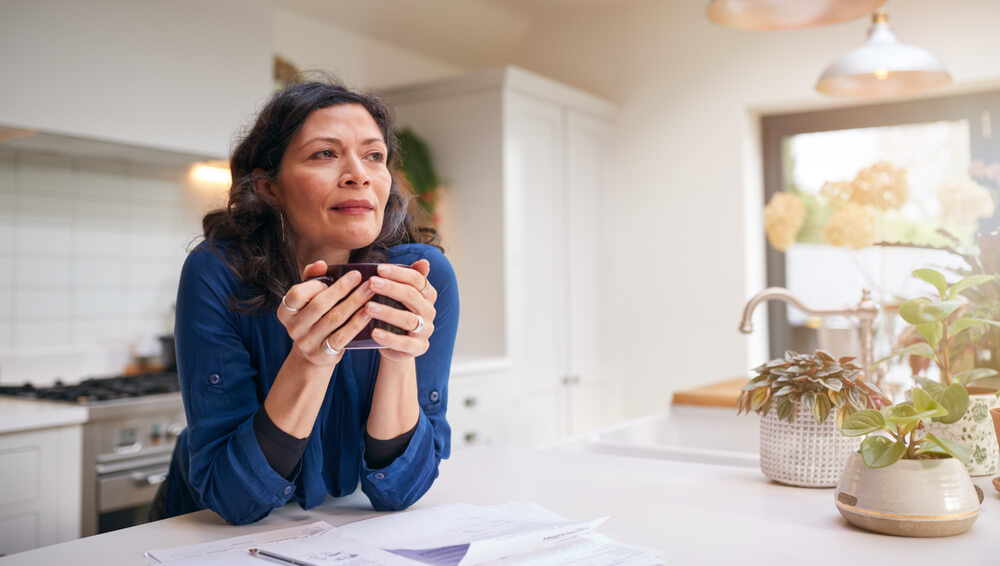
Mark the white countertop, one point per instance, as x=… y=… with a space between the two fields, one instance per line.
x=21 y=415
x=694 y=513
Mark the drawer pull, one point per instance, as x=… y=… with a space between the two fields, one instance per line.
x=471 y=402
x=471 y=437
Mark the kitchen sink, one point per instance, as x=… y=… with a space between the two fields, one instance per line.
x=707 y=435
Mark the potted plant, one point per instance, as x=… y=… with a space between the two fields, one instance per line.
x=803 y=400
x=940 y=321
x=904 y=480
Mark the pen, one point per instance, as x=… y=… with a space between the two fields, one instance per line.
x=277 y=557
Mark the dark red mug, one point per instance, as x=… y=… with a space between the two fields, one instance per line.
x=363 y=340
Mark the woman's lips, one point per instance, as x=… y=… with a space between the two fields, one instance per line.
x=353 y=207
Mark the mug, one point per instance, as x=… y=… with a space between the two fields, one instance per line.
x=363 y=340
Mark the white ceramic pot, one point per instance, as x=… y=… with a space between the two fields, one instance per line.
x=914 y=498
x=803 y=452
x=975 y=430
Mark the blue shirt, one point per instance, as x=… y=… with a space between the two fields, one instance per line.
x=227 y=363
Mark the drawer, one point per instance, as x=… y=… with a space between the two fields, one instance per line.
x=129 y=489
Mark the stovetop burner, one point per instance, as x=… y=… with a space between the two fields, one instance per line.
x=99 y=389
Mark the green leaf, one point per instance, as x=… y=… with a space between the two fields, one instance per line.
x=970 y=375
x=922 y=349
x=821 y=408
x=955 y=449
x=833 y=383
x=842 y=414
x=760 y=396
x=963 y=324
x=933 y=388
x=931 y=331
x=785 y=390
x=970 y=281
x=955 y=399
x=863 y=422
x=786 y=409
x=916 y=311
x=935 y=278
x=879 y=451
x=857 y=398
x=925 y=406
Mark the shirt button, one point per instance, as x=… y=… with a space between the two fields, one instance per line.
x=379 y=475
x=214 y=379
x=288 y=489
x=434 y=396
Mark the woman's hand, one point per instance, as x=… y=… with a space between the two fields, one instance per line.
x=310 y=314
x=408 y=285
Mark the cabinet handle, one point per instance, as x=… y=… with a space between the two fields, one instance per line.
x=571 y=380
x=471 y=437
x=471 y=402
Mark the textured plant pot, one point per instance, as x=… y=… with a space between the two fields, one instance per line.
x=995 y=413
x=803 y=452
x=913 y=498
x=976 y=430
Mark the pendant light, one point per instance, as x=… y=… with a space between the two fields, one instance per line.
x=882 y=67
x=787 y=14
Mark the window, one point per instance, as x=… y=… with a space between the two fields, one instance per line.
x=900 y=173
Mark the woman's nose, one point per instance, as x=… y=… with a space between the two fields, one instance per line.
x=354 y=173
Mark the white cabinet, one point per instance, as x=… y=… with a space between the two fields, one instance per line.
x=523 y=160
x=39 y=488
x=181 y=75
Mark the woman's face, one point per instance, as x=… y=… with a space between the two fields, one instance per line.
x=334 y=183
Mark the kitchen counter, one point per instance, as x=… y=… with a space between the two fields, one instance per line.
x=694 y=513
x=20 y=415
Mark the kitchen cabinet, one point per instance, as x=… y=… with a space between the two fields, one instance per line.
x=181 y=75
x=39 y=487
x=523 y=161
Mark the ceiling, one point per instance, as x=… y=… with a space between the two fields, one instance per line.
x=465 y=33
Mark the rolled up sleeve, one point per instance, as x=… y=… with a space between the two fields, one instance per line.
x=409 y=476
x=228 y=470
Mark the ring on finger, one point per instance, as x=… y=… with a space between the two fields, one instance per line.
x=420 y=325
x=328 y=349
x=287 y=308
x=427 y=284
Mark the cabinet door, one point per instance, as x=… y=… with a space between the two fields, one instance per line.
x=39 y=488
x=591 y=398
x=536 y=256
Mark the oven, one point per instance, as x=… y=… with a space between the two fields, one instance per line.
x=128 y=439
x=126 y=455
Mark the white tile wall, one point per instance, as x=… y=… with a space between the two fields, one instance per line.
x=90 y=251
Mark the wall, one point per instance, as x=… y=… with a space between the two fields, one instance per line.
x=686 y=197
x=90 y=255
x=181 y=75
x=355 y=58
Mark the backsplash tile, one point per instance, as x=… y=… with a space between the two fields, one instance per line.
x=90 y=253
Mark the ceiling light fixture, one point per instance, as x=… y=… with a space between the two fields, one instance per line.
x=882 y=67
x=787 y=14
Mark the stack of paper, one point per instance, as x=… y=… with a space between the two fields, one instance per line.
x=448 y=535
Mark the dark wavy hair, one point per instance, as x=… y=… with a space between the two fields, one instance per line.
x=252 y=225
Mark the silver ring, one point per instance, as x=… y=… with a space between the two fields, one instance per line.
x=328 y=349
x=287 y=308
x=420 y=325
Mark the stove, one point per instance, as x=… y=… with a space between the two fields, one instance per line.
x=128 y=439
x=99 y=389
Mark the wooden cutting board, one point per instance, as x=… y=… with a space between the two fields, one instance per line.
x=721 y=394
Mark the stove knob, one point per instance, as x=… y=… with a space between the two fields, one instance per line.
x=174 y=430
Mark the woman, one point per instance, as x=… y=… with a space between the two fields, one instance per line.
x=276 y=407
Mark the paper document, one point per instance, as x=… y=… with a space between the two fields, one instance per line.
x=448 y=535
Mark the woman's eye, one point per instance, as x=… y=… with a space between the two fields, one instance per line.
x=377 y=156
x=325 y=154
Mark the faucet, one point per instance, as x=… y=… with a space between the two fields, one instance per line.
x=865 y=312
